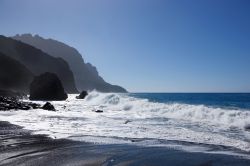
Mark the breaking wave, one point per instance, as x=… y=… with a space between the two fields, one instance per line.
x=126 y=118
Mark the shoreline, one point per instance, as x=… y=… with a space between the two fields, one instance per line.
x=20 y=147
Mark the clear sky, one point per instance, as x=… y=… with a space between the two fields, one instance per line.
x=147 y=45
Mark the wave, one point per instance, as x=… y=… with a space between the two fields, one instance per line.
x=142 y=108
x=128 y=118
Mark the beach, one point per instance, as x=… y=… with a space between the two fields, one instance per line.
x=129 y=129
x=20 y=147
x=124 y=83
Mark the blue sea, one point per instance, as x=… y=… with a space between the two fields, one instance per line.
x=222 y=100
x=208 y=123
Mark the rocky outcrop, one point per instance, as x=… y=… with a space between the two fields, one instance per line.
x=37 y=61
x=82 y=95
x=47 y=86
x=247 y=127
x=13 y=76
x=99 y=111
x=86 y=75
x=12 y=103
x=48 y=106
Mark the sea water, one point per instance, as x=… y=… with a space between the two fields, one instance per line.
x=211 y=122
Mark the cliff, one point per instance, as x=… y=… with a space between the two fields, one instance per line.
x=38 y=62
x=86 y=75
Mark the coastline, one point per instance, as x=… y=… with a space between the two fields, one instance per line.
x=20 y=147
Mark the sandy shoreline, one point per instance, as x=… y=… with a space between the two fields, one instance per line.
x=20 y=147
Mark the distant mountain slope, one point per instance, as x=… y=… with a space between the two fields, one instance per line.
x=38 y=62
x=86 y=75
x=13 y=75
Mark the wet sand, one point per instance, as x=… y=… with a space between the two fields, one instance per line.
x=20 y=147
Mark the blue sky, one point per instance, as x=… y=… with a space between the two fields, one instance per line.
x=147 y=45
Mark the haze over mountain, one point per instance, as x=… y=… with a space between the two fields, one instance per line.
x=85 y=74
x=37 y=61
x=13 y=75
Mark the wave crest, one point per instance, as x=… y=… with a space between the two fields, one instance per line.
x=135 y=118
x=194 y=113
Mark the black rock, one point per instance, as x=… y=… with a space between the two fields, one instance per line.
x=82 y=95
x=12 y=103
x=247 y=127
x=99 y=111
x=47 y=87
x=127 y=121
x=48 y=106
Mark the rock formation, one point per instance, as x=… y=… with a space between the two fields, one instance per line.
x=86 y=75
x=38 y=62
x=47 y=86
x=82 y=95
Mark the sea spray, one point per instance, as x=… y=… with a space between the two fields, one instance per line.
x=147 y=120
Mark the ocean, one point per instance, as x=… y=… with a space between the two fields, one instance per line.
x=190 y=122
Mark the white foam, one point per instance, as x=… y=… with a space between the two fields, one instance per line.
x=147 y=120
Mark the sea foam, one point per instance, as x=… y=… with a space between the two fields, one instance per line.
x=126 y=118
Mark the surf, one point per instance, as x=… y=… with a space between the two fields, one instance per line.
x=126 y=118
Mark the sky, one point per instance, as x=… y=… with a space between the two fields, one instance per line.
x=147 y=45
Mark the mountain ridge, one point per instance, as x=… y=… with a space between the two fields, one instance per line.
x=37 y=61
x=85 y=74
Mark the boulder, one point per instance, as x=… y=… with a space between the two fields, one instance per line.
x=247 y=127
x=48 y=106
x=99 y=111
x=127 y=121
x=47 y=86
x=82 y=95
x=12 y=103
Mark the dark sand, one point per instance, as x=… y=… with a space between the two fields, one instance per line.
x=20 y=147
